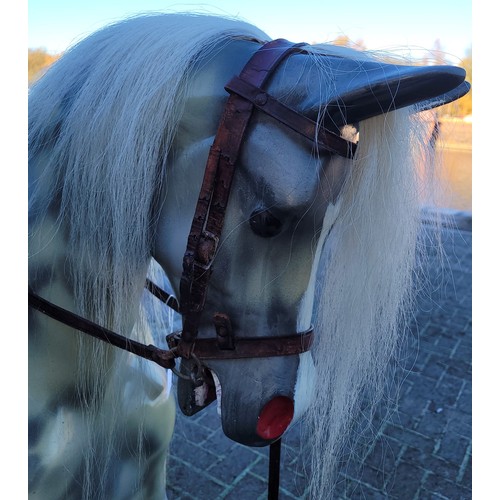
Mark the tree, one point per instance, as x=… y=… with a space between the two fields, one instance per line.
x=345 y=41
x=463 y=106
x=39 y=61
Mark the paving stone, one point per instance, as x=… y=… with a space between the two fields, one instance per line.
x=453 y=448
x=448 y=389
x=460 y=368
x=204 y=458
x=249 y=487
x=433 y=423
x=362 y=491
x=384 y=454
x=406 y=481
x=438 y=466
x=218 y=443
x=464 y=402
x=448 y=489
x=466 y=477
x=190 y=481
x=233 y=464
x=459 y=423
x=435 y=365
x=293 y=483
x=463 y=352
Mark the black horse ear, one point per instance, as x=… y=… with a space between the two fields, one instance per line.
x=445 y=98
x=362 y=89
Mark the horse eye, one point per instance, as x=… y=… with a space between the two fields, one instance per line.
x=264 y=223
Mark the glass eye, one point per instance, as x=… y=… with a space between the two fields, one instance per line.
x=264 y=223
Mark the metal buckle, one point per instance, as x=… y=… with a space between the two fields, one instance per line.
x=205 y=251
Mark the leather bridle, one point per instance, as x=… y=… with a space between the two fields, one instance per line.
x=246 y=94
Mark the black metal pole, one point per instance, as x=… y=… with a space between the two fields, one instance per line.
x=274 y=470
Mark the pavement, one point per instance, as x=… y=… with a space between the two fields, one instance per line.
x=421 y=449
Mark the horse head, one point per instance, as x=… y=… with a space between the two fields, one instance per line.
x=281 y=207
x=307 y=221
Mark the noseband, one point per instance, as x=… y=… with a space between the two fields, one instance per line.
x=246 y=94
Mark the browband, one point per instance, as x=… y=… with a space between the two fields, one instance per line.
x=320 y=136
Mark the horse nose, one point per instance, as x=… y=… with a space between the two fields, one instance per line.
x=275 y=418
x=256 y=397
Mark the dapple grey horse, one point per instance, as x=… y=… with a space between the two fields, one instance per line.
x=120 y=129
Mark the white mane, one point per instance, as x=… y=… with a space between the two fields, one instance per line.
x=101 y=123
x=117 y=96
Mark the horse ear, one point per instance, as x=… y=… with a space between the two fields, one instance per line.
x=363 y=89
x=445 y=98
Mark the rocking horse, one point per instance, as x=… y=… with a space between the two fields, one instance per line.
x=274 y=184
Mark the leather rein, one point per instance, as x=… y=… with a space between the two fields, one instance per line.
x=246 y=94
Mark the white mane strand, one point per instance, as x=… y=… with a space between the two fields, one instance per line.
x=114 y=101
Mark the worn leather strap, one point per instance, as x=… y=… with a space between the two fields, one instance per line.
x=208 y=219
x=205 y=233
x=320 y=136
x=246 y=93
x=244 y=348
x=203 y=349
x=166 y=359
x=162 y=295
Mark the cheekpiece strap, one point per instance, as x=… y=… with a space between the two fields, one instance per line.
x=208 y=220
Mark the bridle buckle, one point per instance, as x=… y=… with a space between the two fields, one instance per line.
x=205 y=252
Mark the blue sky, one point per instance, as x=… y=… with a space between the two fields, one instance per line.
x=384 y=24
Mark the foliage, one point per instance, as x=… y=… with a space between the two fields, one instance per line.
x=463 y=106
x=345 y=41
x=39 y=60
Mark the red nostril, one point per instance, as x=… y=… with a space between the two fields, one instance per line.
x=275 y=417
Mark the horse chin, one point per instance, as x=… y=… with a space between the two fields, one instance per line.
x=273 y=420
x=253 y=420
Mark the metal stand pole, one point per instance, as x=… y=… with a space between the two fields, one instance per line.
x=274 y=470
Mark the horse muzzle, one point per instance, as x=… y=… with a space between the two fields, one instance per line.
x=255 y=396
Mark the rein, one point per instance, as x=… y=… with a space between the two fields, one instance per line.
x=246 y=94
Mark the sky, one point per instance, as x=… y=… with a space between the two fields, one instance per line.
x=382 y=25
